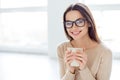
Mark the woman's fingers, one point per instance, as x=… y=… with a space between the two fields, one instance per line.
x=81 y=56
x=81 y=59
x=68 y=57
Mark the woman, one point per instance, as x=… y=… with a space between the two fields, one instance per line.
x=95 y=60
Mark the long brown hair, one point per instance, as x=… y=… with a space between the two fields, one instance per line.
x=84 y=10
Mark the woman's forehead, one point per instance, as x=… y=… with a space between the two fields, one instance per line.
x=73 y=15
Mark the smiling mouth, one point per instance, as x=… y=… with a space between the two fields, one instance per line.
x=76 y=33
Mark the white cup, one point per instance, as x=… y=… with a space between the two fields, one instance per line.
x=74 y=63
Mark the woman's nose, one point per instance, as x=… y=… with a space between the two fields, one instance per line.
x=74 y=25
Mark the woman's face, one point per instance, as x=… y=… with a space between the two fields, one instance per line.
x=79 y=28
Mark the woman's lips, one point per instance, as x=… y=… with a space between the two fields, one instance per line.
x=76 y=33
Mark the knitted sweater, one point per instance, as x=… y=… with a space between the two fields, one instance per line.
x=98 y=65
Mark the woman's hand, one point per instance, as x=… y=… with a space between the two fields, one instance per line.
x=81 y=58
x=68 y=59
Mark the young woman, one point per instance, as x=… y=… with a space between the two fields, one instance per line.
x=95 y=60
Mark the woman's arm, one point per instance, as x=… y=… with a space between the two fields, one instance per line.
x=64 y=74
x=104 y=69
x=84 y=72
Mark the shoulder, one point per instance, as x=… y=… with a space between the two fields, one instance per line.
x=105 y=50
x=61 y=48
x=62 y=45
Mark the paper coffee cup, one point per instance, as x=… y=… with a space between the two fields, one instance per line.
x=74 y=63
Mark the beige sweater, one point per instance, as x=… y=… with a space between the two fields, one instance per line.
x=98 y=65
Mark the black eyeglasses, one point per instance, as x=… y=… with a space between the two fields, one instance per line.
x=79 y=22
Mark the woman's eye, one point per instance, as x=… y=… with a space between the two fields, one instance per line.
x=79 y=21
x=68 y=23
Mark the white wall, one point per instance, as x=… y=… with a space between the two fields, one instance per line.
x=56 y=34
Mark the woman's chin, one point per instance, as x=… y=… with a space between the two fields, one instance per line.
x=76 y=38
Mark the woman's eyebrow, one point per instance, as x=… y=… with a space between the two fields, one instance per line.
x=75 y=20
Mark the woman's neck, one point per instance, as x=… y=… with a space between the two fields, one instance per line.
x=86 y=43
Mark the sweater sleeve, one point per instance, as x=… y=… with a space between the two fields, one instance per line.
x=85 y=74
x=64 y=74
x=104 y=69
x=105 y=66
